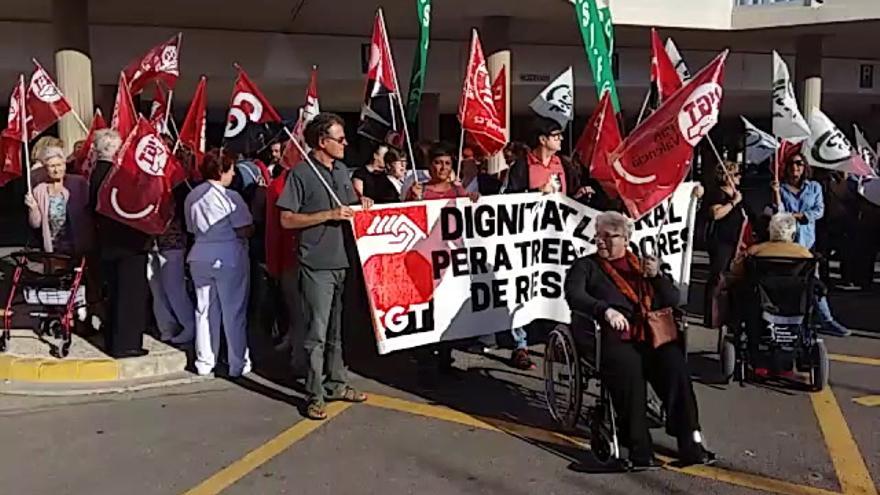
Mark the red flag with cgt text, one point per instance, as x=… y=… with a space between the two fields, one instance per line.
x=137 y=190
x=652 y=161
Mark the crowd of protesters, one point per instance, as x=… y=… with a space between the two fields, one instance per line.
x=252 y=215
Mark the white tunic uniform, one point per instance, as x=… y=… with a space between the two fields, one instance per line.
x=219 y=266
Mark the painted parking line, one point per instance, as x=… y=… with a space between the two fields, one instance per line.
x=845 y=358
x=262 y=454
x=732 y=477
x=853 y=474
x=868 y=400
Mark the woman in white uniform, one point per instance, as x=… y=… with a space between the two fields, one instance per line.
x=221 y=223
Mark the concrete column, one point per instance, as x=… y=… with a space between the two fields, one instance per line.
x=808 y=73
x=429 y=117
x=495 y=36
x=73 y=65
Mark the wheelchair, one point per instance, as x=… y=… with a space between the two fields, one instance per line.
x=572 y=360
x=776 y=331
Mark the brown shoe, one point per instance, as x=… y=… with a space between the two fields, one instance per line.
x=521 y=360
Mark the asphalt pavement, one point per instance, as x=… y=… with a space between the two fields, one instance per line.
x=484 y=431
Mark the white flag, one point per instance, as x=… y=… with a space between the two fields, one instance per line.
x=788 y=122
x=677 y=61
x=827 y=147
x=866 y=151
x=759 y=144
x=556 y=101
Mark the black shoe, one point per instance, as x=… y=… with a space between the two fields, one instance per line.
x=650 y=464
x=700 y=456
x=133 y=353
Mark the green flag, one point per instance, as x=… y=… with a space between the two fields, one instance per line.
x=420 y=65
x=607 y=24
x=596 y=45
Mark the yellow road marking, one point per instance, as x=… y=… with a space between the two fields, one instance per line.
x=848 y=462
x=737 y=478
x=868 y=400
x=747 y=480
x=844 y=358
x=492 y=424
x=262 y=454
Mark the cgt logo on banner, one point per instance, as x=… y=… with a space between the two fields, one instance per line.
x=445 y=270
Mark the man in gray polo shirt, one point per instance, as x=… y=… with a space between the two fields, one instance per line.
x=322 y=219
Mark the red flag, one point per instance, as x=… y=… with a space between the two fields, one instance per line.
x=382 y=113
x=247 y=108
x=746 y=239
x=476 y=110
x=124 y=115
x=45 y=103
x=192 y=132
x=137 y=190
x=84 y=159
x=663 y=74
x=161 y=63
x=499 y=94
x=11 y=139
x=381 y=69
x=653 y=160
x=600 y=138
x=159 y=109
x=291 y=155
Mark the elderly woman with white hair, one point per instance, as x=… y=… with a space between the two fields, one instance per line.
x=59 y=207
x=123 y=254
x=620 y=293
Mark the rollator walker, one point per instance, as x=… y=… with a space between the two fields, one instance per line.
x=51 y=287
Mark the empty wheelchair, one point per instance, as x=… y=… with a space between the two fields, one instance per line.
x=572 y=363
x=773 y=331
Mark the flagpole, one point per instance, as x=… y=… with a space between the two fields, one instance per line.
x=720 y=160
x=173 y=126
x=644 y=107
x=79 y=121
x=24 y=131
x=168 y=101
x=467 y=87
x=406 y=135
x=311 y=164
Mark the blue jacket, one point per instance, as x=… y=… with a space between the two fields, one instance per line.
x=811 y=203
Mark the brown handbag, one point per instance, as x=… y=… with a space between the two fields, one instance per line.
x=662 y=325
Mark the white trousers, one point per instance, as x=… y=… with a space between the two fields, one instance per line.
x=172 y=306
x=221 y=297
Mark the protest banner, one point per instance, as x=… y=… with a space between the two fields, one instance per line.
x=451 y=269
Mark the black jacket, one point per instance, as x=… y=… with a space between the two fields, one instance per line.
x=590 y=291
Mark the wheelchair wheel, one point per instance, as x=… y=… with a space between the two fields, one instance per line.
x=819 y=372
x=563 y=384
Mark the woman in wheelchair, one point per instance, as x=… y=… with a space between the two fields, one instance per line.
x=623 y=294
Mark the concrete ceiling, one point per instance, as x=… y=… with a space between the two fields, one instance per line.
x=547 y=22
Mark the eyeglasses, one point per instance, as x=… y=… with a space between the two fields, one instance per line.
x=340 y=140
x=799 y=163
x=556 y=135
